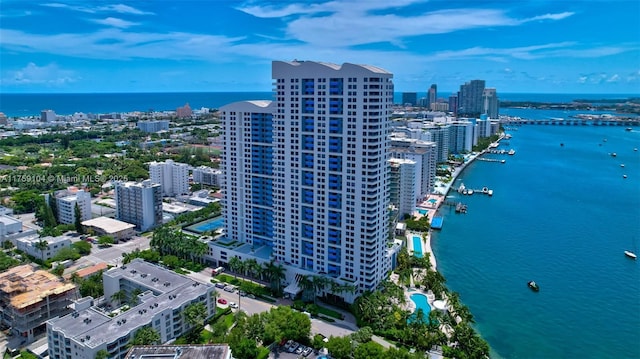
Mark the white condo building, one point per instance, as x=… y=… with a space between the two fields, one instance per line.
x=172 y=176
x=139 y=204
x=66 y=207
x=423 y=153
x=207 y=175
x=307 y=174
x=163 y=297
x=440 y=135
x=402 y=183
x=461 y=137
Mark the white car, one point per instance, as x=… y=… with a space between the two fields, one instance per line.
x=233 y=305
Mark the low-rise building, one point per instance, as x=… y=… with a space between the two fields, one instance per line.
x=208 y=176
x=66 y=206
x=161 y=296
x=29 y=297
x=43 y=248
x=208 y=351
x=153 y=126
x=119 y=230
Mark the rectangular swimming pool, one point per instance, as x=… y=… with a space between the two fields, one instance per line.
x=207 y=225
x=417 y=247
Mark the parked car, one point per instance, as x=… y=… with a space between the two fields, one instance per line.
x=306 y=352
x=251 y=296
x=229 y=288
x=243 y=293
x=293 y=347
x=222 y=301
x=220 y=285
x=233 y=305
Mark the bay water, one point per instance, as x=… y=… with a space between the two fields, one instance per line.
x=561 y=214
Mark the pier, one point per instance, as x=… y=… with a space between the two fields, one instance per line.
x=577 y=121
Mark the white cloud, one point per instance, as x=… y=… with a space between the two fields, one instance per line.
x=559 y=16
x=115 y=22
x=614 y=78
x=33 y=74
x=119 y=8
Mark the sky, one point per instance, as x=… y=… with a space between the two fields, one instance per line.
x=517 y=46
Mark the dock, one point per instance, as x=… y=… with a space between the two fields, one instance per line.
x=491 y=160
x=436 y=222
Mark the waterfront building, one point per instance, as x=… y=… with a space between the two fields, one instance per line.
x=439 y=134
x=423 y=154
x=306 y=176
x=29 y=297
x=173 y=177
x=490 y=103
x=409 y=98
x=47 y=116
x=184 y=111
x=470 y=99
x=160 y=296
x=139 y=204
x=483 y=128
x=440 y=106
x=152 y=126
x=402 y=183
x=461 y=136
x=208 y=176
x=432 y=95
x=66 y=206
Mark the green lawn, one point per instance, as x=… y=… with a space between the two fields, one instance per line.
x=328 y=312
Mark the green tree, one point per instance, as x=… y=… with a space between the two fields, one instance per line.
x=369 y=350
x=195 y=314
x=119 y=296
x=83 y=247
x=102 y=354
x=363 y=335
x=42 y=245
x=235 y=264
x=340 y=347
x=145 y=336
x=284 y=322
x=26 y=201
x=105 y=241
x=78 y=219
x=275 y=274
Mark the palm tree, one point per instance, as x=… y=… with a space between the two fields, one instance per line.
x=41 y=245
x=253 y=267
x=275 y=274
x=319 y=285
x=119 y=296
x=306 y=284
x=195 y=314
x=235 y=264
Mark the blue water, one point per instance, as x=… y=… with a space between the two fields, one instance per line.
x=15 y=105
x=208 y=225
x=562 y=216
x=421 y=303
x=423 y=211
x=417 y=247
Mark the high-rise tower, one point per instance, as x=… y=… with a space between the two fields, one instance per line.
x=307 y=174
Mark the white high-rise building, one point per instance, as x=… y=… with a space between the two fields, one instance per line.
x=402 y=183
x=440 y=135
x=461 y=136
x=47 y=116
x=423 y=153
x=172 y=176
x=490 y=102
x=66 y=207
x=139 y=204
x=307 y=174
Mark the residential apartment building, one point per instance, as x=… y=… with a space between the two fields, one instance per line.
x=152 y=126
x=402 y=183
x=66 y=206
x=184 y=111
x=173 y=177
x=307 y=174
x=432 y=96
x=139 y=204
x=31 y=245
x=48 y=116
x=409 y=98
x=440 y=135
x=490 y=103
x=207 y=175
x=470 y=99
x=423 y=154
x=461 y=136
x=161 y=296
x=29 y=297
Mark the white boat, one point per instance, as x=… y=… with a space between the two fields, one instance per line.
x=511 y=152
x=462 y=188
x=490 y=193
x=622 y=165
x=630 y=254
x=470 y=192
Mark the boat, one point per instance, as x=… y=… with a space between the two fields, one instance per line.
x=630 y=254
x=614 y=154
x=490 y=193
x=534 y=286
x=562 y=145
x=485 y=190
x=511 y=152
x=635 y=149
x=629 y=129
x=470 y=192
x=624 y=176
x=503 y=161
x=622 y=165
x=461 y=188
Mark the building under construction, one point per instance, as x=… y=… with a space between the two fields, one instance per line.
x=29 y=297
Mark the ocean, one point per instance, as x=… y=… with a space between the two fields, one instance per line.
x=562 y=216
x=19 y=105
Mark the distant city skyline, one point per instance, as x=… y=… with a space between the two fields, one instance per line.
x=198 y=46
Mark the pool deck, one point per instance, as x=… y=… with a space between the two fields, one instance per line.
x=426 y=246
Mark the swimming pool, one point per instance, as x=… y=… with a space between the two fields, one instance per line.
x=423 y=211
x=432 y=200
x=421 y=303
x=417 y=247
x=208 y=225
